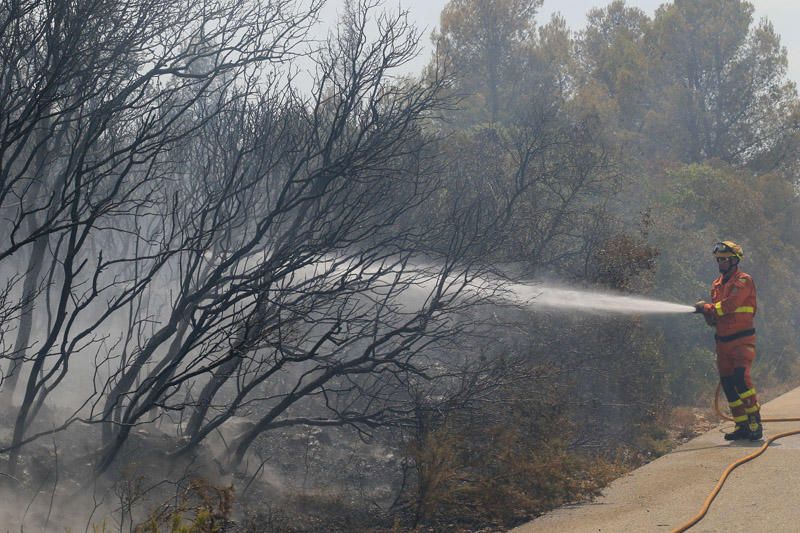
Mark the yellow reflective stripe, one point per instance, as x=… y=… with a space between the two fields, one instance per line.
x=751 y=410
x=742 y=418
x=742 y=309
x=747 y=393
x=735 y=403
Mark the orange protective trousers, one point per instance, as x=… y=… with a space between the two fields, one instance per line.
x=736 y=354
x=739 y=353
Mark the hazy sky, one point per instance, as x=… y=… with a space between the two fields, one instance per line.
x=784 y=15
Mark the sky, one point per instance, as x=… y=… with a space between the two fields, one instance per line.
x=783 y=14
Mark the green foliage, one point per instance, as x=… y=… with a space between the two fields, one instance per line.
x=698 y=205
x=614 y=58
x=699 y=81
x=482 y=43
x=719 y=82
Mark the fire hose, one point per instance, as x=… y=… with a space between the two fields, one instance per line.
x=731 y=467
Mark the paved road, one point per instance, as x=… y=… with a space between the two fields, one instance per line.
x=761 y=495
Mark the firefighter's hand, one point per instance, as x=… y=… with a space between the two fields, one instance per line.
x=699 y=307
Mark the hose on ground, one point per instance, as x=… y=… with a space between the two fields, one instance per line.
x=707 y=504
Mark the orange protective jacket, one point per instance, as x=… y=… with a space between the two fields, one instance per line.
x=733 y=304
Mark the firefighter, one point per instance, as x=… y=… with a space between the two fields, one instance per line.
x=731 y=312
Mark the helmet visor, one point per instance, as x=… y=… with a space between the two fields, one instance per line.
x=727 y=249
x=722 y=248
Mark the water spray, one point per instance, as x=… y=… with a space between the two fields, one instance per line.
x=422 y=278
x=535 y=296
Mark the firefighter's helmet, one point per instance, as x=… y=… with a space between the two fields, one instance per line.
x=728 y=249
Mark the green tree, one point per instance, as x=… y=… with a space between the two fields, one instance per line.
x=614 y=60
x=482 y=42
x=698 y=205
x=719 y=82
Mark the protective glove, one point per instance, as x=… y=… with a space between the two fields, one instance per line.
x=711 y=318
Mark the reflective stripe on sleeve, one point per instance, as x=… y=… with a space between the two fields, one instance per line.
x=742 y=309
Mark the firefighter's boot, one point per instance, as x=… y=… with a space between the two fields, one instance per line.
x=741 y=432
x=742 y=429
x=755 y=427
x=753 y=411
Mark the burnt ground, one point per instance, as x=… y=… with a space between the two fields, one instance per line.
x=295 y=479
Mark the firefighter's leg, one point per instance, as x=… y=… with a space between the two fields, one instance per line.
x=735 y=403
x=750 y=403
x=745 y=354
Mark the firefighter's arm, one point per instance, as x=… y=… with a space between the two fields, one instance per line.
x=739 y=292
